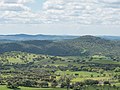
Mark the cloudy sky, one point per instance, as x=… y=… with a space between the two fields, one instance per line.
x=77 y=17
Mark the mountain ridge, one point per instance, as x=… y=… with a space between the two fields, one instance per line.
x=24 y=37
x=82 y=46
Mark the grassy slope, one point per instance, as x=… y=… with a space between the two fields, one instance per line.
x=28 y=88
x=88 y=88
x=82 y=75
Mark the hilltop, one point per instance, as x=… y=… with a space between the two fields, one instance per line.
x=23 y=37
x=82 y=46
x=49 y=64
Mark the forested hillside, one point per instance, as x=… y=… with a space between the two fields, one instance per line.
x=87 y=63
x=82 y=46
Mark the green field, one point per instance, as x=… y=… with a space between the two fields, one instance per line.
x=84 y=88
x=28 y=88
x=101 y=88
x=36 y=70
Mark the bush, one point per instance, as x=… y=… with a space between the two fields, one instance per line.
x=63 y=84
x=106 y=82
x=44 y=84
x=12 y=85
x=91 y=82
x=54 y=84
x=28 y=83
x=78 y=85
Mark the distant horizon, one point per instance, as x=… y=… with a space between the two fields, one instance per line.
x=60 y=29
x=60 y=17
x=54 y=34
x=41 y=40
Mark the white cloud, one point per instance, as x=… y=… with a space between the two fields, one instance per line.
x=17 y=1
x=62 y=11
x=26 y=1
x=83 y=11
x=13 y=7
x=110 y=1
x=15 y=11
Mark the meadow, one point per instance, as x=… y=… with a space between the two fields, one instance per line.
x=27 y=71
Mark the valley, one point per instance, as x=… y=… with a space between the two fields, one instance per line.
x=59 y=44
x=85 y=63
x=44 y=71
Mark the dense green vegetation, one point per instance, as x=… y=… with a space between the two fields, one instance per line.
x=21 y=69
x=83 y=46
x=85 y=63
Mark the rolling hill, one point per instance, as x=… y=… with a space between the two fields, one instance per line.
x=23 y=37
x=82 y=46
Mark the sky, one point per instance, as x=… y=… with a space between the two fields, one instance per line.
x=60 y=17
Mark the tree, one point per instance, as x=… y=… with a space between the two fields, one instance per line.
x=29 y=83
x=12 y=85
x=91 y=82
x=68 y=83
x=78 y=85
x=54 y=84
x=117 y=69
x=106 y=82
x=44 y=84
